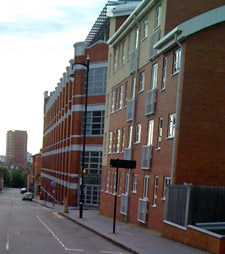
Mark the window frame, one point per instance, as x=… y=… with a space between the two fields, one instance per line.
x=171 y=125
x=150 y=133
x=146 y=187
x=127 y=179
x=165 y=183
x=110 y=143
x=144 y=28
x=134 y=184
x=156 y=180
x=158 y=14
x=141 y=82
x=154 y=75
x=176 y=61
x=138 y=133
x=164 y=71
x=130 y=133
x=159 y=137
x=123 y=140
x=112 y=110
x=120 y=103
x=118 y=141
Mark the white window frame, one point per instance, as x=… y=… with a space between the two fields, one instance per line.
x=136 y=37
x=111 y=182
x=113 y=101
x=171 y=125
x=134 y=186
x=176 y=61
x=133 y=84
x=126 y=190
x=130 y=132
x=110 y=143
x=159 y=138
x=115 y=60
x=141 y=81
x=145 y=187
x=125 y=95
x=118 y=141
x=167 y=181
x=155 y=191
x=128 y=46
x=150 y=132
x=154 y=76
x=123 y=53
x=114 y=183
x=107 y=182
x=123 y=140
x=158 y=13
x=114 y=141
x=163 y=85
x=144 y=28
x=138 y=134
x=120 y=97
x=120 y=184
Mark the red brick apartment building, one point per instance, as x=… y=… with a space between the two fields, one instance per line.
x=16 y=147
x=63 y=122
x=164 y=105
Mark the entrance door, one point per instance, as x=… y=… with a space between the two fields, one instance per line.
x=91 y=194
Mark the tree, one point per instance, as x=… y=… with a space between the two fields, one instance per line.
x=18 y=179
x=6 y=176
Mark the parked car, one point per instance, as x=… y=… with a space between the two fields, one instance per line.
x=27 y=196
x=23 y=190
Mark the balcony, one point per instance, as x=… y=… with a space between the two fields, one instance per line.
x=123 y=204
x=153 y=39
x=133 y=61
x=142 y=210
x=146 y=157
x=127 y=154
x=130 y=110
x=150 y=102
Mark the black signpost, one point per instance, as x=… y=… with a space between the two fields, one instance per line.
x=119 y=164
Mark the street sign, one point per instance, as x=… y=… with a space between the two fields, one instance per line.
x=122 y=164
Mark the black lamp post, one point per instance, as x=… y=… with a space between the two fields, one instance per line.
x=72 y=77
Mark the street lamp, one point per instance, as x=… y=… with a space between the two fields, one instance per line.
x=72 y=77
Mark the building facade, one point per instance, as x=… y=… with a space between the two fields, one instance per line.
x=16 y=147
x=159 y=108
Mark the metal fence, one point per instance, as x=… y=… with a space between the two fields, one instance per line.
x=191 y=204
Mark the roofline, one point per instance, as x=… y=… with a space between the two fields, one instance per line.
x=138 y=12
x=191 y=26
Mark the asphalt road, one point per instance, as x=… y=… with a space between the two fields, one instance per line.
x=28 y=228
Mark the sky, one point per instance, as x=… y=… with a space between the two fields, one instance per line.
x=36 y=44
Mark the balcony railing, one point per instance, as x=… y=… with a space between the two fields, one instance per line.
x=146 y=157
x=123 y=204
x=142 y=210
x=127 y=153
x=133 y=61
x=130 y=110
x=150 y=102
x=153 y=39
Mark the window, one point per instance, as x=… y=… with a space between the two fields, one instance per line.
x=107 y=181
x=167 y=181
x=136 y=38
x=159 y=139
x=111 y=182
x=114 y=183
x=120 y=97
x=110 y=143
x=114 y=141
x=155 y=192
x=123 y=140
x=129 y=136
x=138 y=133
x=127 y=184
x=120 y=184
x=134 y=187
x=116 y=99
x=125 y=95
x=133 y=88
x=171 y=125
x=97 y=81
x=128 y=46
x=145 y=28
x=123 y=50
x=150 y=133
x=163 y=85
x=142 y=81
x=158 y=16
x=176 y=60
x=154 y=76
x=113 y=102
x=117 y=141
x=145 y=187
x=94 y=123
x=115 y=60
x=93 y=162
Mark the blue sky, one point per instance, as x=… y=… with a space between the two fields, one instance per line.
x=36 y=44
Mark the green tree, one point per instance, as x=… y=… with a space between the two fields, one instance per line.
x=6 y=176
x=18 y=179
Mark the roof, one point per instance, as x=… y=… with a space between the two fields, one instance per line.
x=191 y=26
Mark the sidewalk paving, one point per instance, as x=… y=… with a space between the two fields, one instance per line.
x=130 y=237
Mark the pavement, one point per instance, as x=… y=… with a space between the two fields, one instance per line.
x=130 y=237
